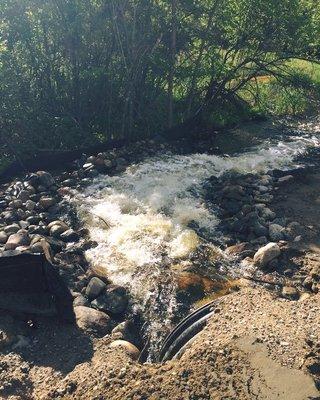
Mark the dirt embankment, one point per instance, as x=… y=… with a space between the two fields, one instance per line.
x=255 y=347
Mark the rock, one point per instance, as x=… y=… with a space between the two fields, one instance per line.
x=24 y=224
x=132 y=351
x=94 y=288
x=259 y=229
x=114 y=300
x=266 y=254
x=81 y=301
x=56 y=230
x=267 y=214
x=3 y=237
x=45 y=179
x=69 y=236
x=58 y=222
x=234 y=192
x=10 y=229
x=30 y=205
x=276 y=232
x=37 y=248
x=17 y=239
x=16 y=204
x=9 y=216
x=285 y=179
x=47 y=202
x=128 y=332
x=92 y=321
x=33 y=219
x=290 y=293
x=241 y=249
x=24 y=195
x=315 y=272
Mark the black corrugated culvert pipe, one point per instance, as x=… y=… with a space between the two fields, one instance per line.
x=183 y=334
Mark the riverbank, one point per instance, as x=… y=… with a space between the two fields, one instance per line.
x=139 y=235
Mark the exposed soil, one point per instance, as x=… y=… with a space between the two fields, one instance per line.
x=255 y=347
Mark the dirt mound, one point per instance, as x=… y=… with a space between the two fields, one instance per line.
x=255 y=347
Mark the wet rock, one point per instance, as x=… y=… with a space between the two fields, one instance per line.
x=94 y=288
x=131 y=350
x=241 y=249
x=56 y=230
x=128 y=332
x=290 y=293
x=276 y=232
x=45 y=179
x=92 y=321
x=47 y=202
x=16 y=240
x=266 y=254
x=69 y=236
x=114 y=300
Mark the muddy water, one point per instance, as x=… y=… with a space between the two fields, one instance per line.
x=156 y=211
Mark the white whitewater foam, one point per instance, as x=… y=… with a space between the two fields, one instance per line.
x=150 y=205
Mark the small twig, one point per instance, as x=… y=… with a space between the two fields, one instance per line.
x=103 y=220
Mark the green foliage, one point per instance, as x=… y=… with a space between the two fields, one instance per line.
x=76 y=72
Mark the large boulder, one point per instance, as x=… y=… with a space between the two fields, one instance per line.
x=266 y=254
x=92 y=321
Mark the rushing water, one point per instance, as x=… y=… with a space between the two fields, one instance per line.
x=150 y=208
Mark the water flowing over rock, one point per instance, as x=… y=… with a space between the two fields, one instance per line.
x=155 y=214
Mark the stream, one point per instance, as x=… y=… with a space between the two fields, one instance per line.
x=159 y=218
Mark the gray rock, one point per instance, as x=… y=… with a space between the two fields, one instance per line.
x=3 y=237
x=266 y=254
x=47 y=202
x=114 y=300
x=45 y=179
x=276 y=232
x=267 y=214
x=94 y=288
x=30 y=205
x=128 y=332
x=24 y=224
x=10 y=229
x=33 y=219
x=285 y=179
x=92 y=321
x=81 y=301
x=259 y=229
x=24 y=195
x=16 y=204
x=56 y=230
x=16 y=240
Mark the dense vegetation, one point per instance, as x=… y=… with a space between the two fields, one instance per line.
x=73 y=72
